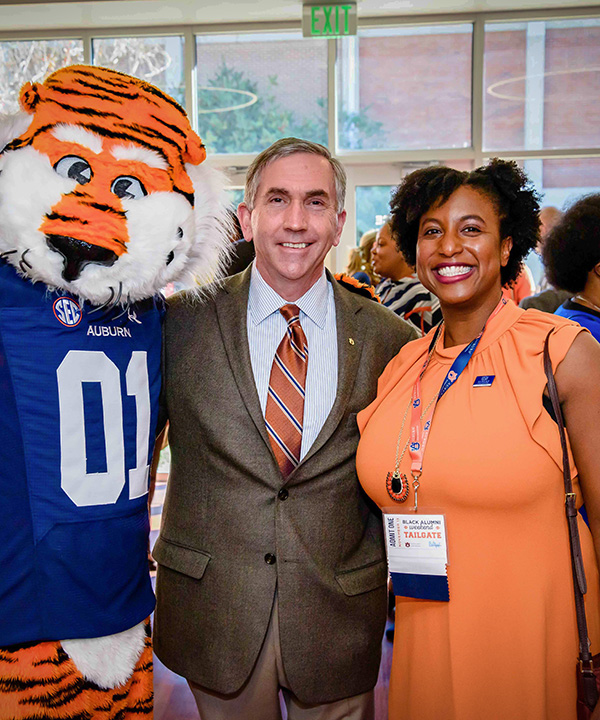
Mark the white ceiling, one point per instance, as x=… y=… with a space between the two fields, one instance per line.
x=33 y=14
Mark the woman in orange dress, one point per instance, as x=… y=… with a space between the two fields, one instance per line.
x=504 y=647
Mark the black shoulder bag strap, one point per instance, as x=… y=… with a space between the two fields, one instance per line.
x=579 y=583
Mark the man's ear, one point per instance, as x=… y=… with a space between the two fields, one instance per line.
x=244 y=215
x=341 y=219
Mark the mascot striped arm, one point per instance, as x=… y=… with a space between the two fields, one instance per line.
x=103 y=201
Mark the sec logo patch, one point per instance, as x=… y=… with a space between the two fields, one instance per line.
x=67 y=311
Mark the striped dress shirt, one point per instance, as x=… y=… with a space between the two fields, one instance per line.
x=266 y=327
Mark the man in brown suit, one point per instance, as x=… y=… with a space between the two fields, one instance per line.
x=268 y=580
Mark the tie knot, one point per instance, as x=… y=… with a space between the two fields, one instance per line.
x=291 y=313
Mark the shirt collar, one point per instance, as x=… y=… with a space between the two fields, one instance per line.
x=264 y=301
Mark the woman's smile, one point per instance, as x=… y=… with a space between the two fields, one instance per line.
x=449 y=273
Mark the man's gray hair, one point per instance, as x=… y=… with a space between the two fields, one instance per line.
x=284 y=148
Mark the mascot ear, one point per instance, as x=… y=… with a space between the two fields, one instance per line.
x=29 y=96
x=195 y=152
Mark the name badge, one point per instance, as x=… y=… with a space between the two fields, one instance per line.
x=483 y=380
x=417 y=554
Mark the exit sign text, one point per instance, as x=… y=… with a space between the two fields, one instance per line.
x=329 y=20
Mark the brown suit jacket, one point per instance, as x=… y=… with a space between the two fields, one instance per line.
x=234 y=531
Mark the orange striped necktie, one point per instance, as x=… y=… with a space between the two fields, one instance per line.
x=284 y=413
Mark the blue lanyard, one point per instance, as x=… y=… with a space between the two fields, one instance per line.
x=459 y=365
x=419 y=435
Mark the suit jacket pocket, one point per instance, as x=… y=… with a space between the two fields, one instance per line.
x=363 y=579
x=183 y=559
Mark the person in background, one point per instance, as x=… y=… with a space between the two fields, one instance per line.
x=550 y=216
x=501 y=643
x=359 y=260
x=271 y=566
x=572 y=259
x=547 y=297
x=400 y=289
x=522 y=287
x=356 y=268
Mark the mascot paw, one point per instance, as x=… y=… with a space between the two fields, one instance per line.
x=108 y=661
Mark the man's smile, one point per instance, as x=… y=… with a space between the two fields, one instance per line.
x=298 y=246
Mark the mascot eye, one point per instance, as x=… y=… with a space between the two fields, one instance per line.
x=128 y=187
x=74 y=168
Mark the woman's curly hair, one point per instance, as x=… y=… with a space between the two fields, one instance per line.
x=502 y=181
x=572 y=247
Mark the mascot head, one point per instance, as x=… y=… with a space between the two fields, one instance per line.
x=102 y=191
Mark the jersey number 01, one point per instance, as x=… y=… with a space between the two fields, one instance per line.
x=102 y=488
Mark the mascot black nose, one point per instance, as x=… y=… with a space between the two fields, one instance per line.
x=78 y=254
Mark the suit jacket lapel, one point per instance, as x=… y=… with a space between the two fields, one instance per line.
x=350 y=346
x=232 y=310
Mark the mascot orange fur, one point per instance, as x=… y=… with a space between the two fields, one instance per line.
x=103 y=201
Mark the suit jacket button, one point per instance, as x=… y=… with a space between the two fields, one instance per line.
x=270 y=559
x=283 y=494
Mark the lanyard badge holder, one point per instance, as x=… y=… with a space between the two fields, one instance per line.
x=416 y=541
x=417 y=553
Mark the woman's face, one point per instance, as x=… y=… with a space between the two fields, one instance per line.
x=386 y=260
x=459 y=250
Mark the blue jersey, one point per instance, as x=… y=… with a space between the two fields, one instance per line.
x=78 y=411
x=581 y=314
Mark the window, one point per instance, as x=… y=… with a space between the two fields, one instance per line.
x=405 y=88
x=541 y=85
x=236 y=196
x=562 y=181
x=372 y=207
x=255 y=89
x=158 y=60
x=32 y=60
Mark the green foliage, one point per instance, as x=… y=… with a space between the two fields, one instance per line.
x=371 y=201
x=253 y=128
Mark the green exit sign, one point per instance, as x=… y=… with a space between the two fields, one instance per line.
x=328 y=21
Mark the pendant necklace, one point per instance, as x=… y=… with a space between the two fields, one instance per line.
x=589 y=302
x=397 y=482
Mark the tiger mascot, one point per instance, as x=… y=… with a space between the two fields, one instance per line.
x=103 y=201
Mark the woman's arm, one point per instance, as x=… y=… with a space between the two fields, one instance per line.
x=578 y=383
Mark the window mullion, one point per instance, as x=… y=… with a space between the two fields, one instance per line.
x=477 y=90
x=189 y=74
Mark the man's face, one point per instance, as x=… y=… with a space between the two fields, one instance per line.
x=294 y=222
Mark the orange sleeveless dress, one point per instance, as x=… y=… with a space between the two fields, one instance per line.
x=505 y=646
